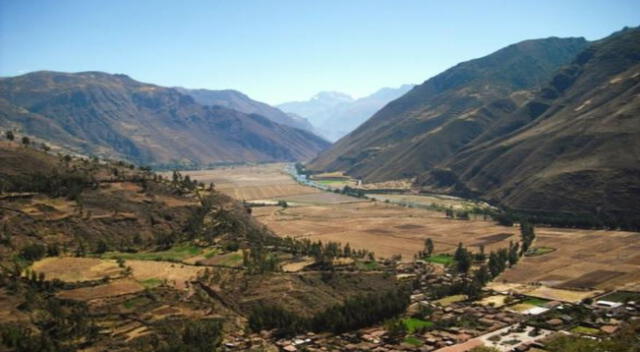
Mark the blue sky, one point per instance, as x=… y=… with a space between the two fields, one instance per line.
x=278 y=51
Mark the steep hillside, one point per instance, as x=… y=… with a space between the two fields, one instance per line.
x=116 y=116
x=235 y=100
x=336 y=114
x=104 y=256
x=447 y=112
x=579 y=149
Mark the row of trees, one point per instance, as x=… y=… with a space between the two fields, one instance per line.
x=355 y=313
x=321 y=252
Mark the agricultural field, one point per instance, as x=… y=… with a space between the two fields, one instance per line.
x=73 y=269
x=335 y=180
x=430 y=200
x=259 y=182
x=385 y=229
x=565 y=259
x=582 y=259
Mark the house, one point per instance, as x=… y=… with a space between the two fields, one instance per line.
x=608 y=304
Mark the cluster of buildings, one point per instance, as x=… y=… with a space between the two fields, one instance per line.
x=453 y=324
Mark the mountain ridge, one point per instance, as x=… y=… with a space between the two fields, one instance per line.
x=442 y=115
x=116 y=116
x=575 y=150
x=239 y=101
x=335 y=114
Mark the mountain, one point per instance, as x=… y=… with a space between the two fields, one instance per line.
x=446 y=113
x=116 y=116
x=235 y=100
x=336 y=114
x=573 y=149
x=318 y=108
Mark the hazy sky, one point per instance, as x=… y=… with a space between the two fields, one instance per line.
x=278 y=51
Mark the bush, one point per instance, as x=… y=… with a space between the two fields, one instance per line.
x=33 y=252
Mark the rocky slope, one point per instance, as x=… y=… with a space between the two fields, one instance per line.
x=448 y=112
x=116 y=116
x=575 y=148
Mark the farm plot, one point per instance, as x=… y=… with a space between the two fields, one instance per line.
x=385 y=229
x=114 y=288
x=259 y=182
x=430 y=200
x=73 y=269
x=582 y=259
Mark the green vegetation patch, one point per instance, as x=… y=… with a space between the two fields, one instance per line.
x=621 y=297
x=539 y=251
x=412 y=340
x=135 y=302
x=535 y=301
x=585 y=330
x=330 y=182
x=210 y=253
x=414 y=324
x=445 y=259
x=176 y=254
x=229 y=259
x=366 y=265
x=151 y=283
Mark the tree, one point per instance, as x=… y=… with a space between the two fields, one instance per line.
x=514 y=254
x=9 y=135
x=464 y=263
x=528 y=235
x=33 y=251
x=26 y=140
x=101 y=247
x=482 y=275
x=428 y=247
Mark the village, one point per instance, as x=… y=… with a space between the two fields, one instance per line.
x=504 y=320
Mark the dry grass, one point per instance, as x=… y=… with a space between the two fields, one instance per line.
x=262 y=182
x=583 y=259
x=114 y=288
x=496 y=301
x=176 y=274
x=382 y=228
x=72 y=269
x=544 y=292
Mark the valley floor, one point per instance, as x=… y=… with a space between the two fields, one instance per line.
x=567 y=258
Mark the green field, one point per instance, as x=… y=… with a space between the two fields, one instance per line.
x=584 y=330
x=151 y=283
x=621 y=297
x=330 y=182
x=539 y=251
x=136 y=301
x=535 y=301
x=413 y=324
x=177 y=253
x=444 y=259
x=412 y=340
x=366 y=265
